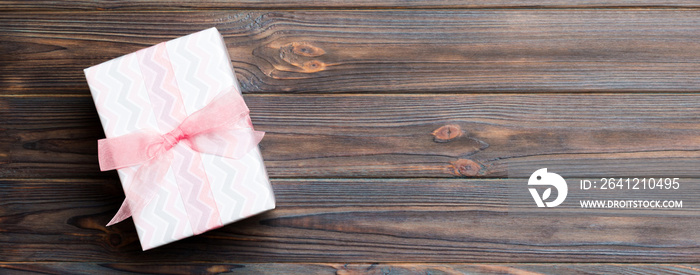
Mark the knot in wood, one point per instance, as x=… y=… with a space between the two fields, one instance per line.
x=115 y=239
x=447 y=133
x=313 y=66
x=466 y=167
x=299 y=55
x=306 y=49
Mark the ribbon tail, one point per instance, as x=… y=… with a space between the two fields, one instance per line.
x=123 y=214
x=144 y=187
x=257 y=136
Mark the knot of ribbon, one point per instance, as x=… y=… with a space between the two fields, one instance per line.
x=221 y=128
x=173 y=137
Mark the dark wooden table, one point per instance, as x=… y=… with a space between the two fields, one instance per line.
x=393 y=130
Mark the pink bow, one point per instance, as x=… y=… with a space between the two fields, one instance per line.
x=221 y=128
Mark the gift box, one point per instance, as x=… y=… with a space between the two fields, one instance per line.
x=202 y=168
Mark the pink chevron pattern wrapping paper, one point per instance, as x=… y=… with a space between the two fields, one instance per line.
x=156 y=88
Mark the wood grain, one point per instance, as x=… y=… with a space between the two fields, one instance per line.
x=448 y=135
x=42 y=5
x=345 y=220
x=374 y=110
x=347 y=268
x=378 y=51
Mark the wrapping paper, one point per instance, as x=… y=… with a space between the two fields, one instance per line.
x=156 y=88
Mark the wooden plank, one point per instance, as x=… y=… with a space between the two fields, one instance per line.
x=352 y=220
x=346 y=268
x=42 y=5
x=424 y=135
x=377 y=51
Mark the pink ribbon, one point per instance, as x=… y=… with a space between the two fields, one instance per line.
x=221 y=128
